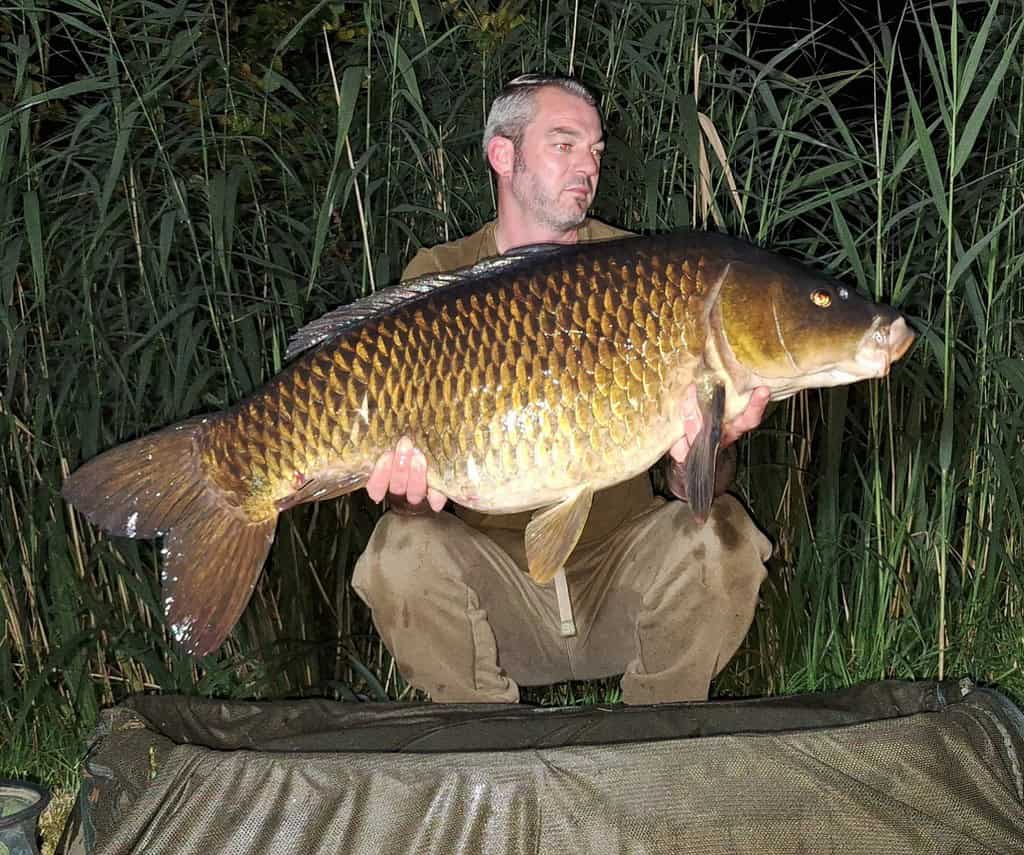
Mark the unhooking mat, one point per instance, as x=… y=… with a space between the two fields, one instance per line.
x=887 y=767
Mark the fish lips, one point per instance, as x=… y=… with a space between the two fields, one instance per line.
x=889 y=338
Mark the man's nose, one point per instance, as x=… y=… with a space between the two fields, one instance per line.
x=588 y=163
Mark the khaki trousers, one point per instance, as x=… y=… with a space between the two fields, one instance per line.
x=662 y=600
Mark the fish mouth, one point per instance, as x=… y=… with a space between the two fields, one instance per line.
x=901 y=336
x=886 y=342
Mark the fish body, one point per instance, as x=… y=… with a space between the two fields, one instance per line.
x=528 y=381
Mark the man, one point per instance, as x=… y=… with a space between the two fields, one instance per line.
x=658 y=597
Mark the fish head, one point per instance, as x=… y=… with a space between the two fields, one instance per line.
x=790 y=329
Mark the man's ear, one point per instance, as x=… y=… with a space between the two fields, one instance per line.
x=501 y=154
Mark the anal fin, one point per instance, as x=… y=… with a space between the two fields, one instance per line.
x=322 y=487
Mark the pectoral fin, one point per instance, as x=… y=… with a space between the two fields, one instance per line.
x=554 y=532
x=703 y=455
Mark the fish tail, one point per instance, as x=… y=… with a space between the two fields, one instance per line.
x=213 y=550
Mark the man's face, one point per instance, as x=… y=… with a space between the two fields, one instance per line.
x=558 y=162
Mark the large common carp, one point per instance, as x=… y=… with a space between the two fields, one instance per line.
x=529 y=381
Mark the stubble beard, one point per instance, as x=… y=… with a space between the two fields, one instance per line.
x=544 y=209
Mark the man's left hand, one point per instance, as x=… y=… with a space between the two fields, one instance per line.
x=749 y=419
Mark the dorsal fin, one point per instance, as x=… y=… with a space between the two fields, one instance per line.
x=343 y=318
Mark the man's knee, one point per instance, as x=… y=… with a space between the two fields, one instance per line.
x=412 y=575
x=729 y=534
x=742 y=549
x=403 y=551
x=735 y=529
x=699 y=604
x=723 y=556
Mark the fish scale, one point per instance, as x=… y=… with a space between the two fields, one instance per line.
x=528 y=381
x=435 y=375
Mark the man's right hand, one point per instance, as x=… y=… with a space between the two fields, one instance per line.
x=402 y=473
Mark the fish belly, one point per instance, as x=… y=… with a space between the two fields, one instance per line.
x=507 y=471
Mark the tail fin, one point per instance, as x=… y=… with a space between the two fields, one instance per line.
x=212 y=552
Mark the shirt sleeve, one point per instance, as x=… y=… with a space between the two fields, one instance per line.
x=423 y=262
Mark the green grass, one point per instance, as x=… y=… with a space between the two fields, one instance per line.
x=178 y=194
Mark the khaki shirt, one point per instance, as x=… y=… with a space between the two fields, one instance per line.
x=611 y=507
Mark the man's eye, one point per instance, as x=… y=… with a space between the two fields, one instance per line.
x=563 y=146
x=597 y=152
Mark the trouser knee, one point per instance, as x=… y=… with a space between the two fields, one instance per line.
x=700 y=603
x=728 y=544
x=735 y=530
x=412 y=576
x=393 y=565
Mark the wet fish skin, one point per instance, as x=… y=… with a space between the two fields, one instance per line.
x=530 y=381
x=495 y=382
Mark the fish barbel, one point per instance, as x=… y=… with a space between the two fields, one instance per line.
x=531 y=380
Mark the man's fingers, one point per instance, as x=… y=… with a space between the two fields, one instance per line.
x=749 y=419
x=400 y=466
x=751 y=416
x=416 y=489
x=761 y=396
x=380 y=478
x=403 y=474
x=435 y=499
x=691 y=425
x=679 y=450
x=691 y=415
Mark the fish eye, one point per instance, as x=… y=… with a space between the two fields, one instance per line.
x=821 y=298
x=843 y=293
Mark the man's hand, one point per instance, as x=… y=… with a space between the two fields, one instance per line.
x=749 y=419
x=403 y=474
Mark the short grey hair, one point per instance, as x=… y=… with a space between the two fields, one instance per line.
x=513 y=108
